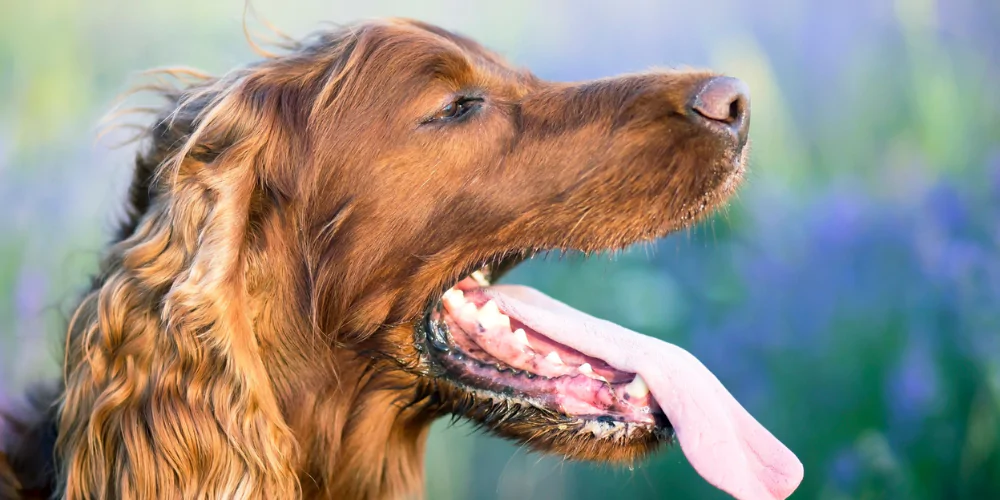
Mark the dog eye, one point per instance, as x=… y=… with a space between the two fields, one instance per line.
x=457 y=108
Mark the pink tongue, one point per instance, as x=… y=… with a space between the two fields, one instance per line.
x=730 y=449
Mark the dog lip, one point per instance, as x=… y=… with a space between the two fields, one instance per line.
x=481 y=349
x=734 y=141
x=460 y=369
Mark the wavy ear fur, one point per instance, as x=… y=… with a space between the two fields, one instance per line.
x=167 y=393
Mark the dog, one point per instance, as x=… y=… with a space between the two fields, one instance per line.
x=303 y=280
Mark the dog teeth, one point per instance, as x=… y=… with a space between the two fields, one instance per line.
x=553 y=357
x=490 y=316
x=453 y=299
x=521 y=337
x=468 y=313
x=480 y=278
x=489 y=309
x=637 y=388
x=504 y=321
x=587 y=370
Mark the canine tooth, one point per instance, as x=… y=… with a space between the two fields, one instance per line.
x=637 y=388
x=454 y=299
x=480 y=278
x=553 y=357
x=521 y=337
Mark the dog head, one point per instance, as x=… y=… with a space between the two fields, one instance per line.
x=317 y=234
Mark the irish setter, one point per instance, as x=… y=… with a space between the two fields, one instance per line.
x=302 y=281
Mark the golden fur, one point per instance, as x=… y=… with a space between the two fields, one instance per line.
x=251 y=331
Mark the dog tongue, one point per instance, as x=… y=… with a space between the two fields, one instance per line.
x=720 y=439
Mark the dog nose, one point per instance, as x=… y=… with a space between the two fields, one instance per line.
x=724 y=101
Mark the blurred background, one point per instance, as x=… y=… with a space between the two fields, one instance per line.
x=849 y=298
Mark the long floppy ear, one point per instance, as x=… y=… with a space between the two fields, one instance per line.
x=167 y=393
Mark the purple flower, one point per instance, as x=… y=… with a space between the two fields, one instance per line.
x=845 y=469
x=912 y=390
x=948 y=208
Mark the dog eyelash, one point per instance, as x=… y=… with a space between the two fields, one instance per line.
x=456 y=109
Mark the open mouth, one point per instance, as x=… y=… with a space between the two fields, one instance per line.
x=514 y=345
x=492 y=349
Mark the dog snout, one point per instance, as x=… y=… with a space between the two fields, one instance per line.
x=723 y=102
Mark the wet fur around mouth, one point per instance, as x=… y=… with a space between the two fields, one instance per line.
x=255 y=326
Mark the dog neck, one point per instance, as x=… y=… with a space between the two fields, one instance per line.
x=361 y=431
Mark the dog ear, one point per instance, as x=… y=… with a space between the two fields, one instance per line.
x=166 y=388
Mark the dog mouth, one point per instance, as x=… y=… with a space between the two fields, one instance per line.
x=488 y=348
x=512 y=346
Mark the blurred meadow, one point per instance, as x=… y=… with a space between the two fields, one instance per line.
x=849 y=298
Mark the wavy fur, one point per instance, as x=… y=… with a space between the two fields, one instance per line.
x=251 y=333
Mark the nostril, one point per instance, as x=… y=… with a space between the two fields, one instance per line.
x=722 y=99
x=734 y=111
x=723 y=102
x=718 y=110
